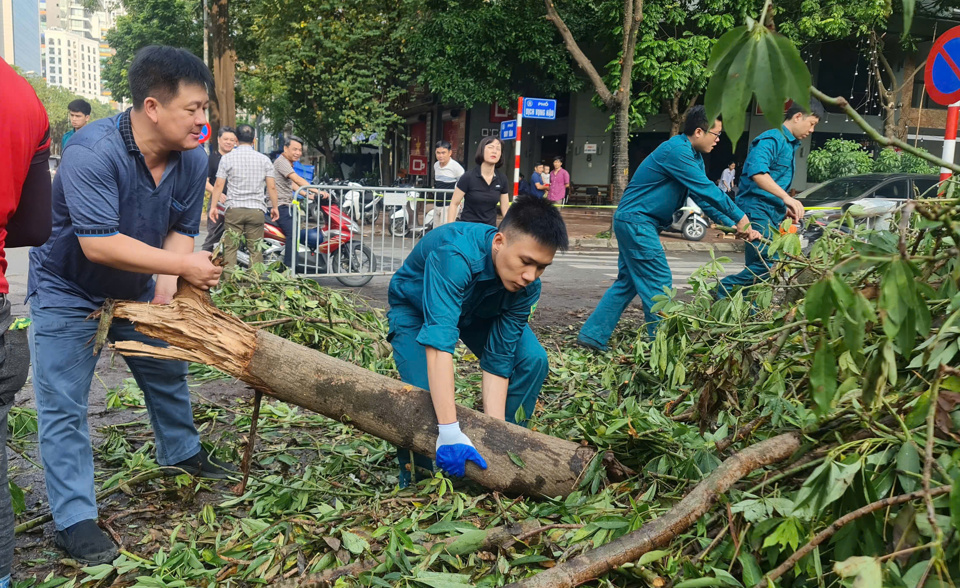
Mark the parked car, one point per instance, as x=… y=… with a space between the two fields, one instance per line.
x=877 y=196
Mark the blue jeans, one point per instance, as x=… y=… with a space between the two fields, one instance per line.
x=529 y=372
x=643 y=271
x=61 y=344
x=757 y=262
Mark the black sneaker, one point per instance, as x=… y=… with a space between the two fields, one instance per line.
x=87 y=543
x=203 y=465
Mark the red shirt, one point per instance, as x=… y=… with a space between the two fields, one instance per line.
x=23 y=133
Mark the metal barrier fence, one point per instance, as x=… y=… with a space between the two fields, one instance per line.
x=358 y=232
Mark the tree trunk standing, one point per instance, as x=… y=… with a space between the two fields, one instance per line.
x=224 y=64
x=520 y=461
x=618 y=100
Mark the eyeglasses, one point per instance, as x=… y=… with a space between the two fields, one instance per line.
x=717 y=135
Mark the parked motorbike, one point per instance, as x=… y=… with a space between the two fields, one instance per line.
x=360 y=202
x=330 y=245
x=403 y=217
x=689 y=221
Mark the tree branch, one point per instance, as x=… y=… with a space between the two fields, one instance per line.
x=661 y=531
x=822 y=536
x=602 y=91
x=842 y=102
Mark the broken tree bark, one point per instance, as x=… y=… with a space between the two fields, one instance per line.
x=661 y=531
x=401 y=414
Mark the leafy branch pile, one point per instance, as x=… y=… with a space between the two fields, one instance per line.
x=854 y=348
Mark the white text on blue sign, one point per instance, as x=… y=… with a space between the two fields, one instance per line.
x=539 y=108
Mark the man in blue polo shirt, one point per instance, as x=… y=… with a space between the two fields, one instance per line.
x=475 y=283
x=126 y=205
x=764 y=189
x=658 y=188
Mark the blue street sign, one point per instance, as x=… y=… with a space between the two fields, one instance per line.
x=204 y=133
x=508 y=130
x=539 y=108
x=942 y=74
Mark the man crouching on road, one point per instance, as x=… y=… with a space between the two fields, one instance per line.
x=126 y=205
x=475 y=283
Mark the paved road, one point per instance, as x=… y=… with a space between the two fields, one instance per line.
x=601 y=266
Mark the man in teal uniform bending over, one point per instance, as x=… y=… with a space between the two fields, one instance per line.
x=475 y=283
x=764 y=189
x=658 y=188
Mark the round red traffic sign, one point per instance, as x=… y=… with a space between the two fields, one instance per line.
x=204 y=134
x=942 y=73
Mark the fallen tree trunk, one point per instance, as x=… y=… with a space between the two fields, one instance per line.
x=401 y=414
x=662 y=531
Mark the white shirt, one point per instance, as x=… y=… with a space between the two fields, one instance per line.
x=448 y=174
x=726 y=179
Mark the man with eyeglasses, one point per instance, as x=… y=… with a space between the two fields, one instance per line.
x=658 y=188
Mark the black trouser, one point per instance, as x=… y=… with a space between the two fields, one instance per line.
x=214 y=233
x=14 y=365
x=285 y=222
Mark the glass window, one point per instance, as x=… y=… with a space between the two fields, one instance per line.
x=898 y=190
x=837 y=190
x=924 y=187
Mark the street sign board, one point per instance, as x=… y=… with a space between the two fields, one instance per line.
x=204 y=133
x=942 y=73
x=508 y=130
x=539 y=108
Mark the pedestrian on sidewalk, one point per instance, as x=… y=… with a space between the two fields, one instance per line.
x=126 y=205
x=24 y=221
x=79 y=111
x=767 y=175
x=250 y=173
x=226 y=141
x=728 y=179
x=447 y=171
x=536 y=181
x=559 y=182
x=658 y=188
x=482 y=188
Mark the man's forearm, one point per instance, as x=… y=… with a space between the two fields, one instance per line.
x=494 y=392
x=766 y=183
x=128 y=254
x=167 y=283
x=274 y=202
x=440 y=376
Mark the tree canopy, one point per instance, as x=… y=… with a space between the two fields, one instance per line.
x=55 y=100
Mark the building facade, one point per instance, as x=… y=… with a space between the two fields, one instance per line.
x=20 y=35
x=73 y=62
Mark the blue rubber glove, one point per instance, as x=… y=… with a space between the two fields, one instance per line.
x=454 y=449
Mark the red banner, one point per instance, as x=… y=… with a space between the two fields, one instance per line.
x=418 y=149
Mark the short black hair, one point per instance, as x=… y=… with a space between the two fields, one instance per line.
x=80 y=105
x=292 y=139
x=539 y=218
x=224 y=130
x=245 y=133
x=697 y=119
x=816 y=109
x=558 y=158
x=158 y=71
x=478 y=158
x=443 y=145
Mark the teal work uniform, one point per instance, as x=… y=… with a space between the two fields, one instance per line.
x=658 y=188
x=772 y=152
x=66 y=137
x=448 y=290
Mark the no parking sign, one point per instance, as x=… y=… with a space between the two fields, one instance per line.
x=204 y=134
x=942 y=78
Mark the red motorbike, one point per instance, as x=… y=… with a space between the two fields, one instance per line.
x=331 y=246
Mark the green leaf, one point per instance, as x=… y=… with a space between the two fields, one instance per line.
x=751 y=569
x=354 y=543
x=516 y=460
x=798 y=76
x=823 y=377
x=699 y=582
x=652 y=556
x=16 y=495
x=819 y=302
x=737 y=92
x=908 y=462
x=909 y=7
x=955 y=503
x=467 y=543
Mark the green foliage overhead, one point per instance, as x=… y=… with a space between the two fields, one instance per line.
x=472 y=51
x=333 y=69
x=840 y=157
x=150 y=22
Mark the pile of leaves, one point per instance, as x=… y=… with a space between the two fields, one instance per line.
x=855 y=347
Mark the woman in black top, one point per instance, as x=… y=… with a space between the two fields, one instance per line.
x=482 y=188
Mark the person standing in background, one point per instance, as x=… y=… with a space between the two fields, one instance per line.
x=226 y=141
x=538 y=187
x=483 y=187
x=24 y=221
x=728 y=179
x=446 y=174
x=559 y=181
x=79 y=117
x=288 y=182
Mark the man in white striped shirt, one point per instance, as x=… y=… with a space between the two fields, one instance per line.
x=248 y=172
